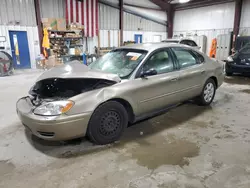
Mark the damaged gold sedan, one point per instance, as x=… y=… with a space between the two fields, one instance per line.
x=126 y=85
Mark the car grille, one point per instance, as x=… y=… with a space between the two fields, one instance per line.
x=46 y=134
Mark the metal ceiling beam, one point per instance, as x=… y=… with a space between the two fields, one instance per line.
x=162 y=4
x=170 y=15
x=132 y=12
x=138 y=6
x=237 y=16
x=39 y=22
x=121 y=21
x=199 y=3
x=170 y=22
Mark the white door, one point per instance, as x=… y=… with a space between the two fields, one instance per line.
x=157 y=38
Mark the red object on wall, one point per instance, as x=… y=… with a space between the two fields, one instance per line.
x=212 y=52
x=86 y=13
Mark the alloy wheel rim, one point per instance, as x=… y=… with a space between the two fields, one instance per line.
x=209 y=92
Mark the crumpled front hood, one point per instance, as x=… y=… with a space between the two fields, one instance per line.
x=75 y=69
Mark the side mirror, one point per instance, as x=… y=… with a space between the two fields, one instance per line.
x=149 y=72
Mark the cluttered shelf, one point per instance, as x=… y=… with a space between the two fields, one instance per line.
x=66 y=38
x=64 y=31
x=61 y=42
x=70 y=46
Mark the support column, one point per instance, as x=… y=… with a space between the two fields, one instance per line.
x=237 y=17
x=170 y=21
x=121 y=22
x=39 y=22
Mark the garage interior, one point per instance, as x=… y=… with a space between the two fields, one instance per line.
x=189 y=146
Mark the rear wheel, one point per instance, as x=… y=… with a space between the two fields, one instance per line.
x=208 y=93
x=107 y=123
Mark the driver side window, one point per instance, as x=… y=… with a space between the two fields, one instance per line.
x=160 y=61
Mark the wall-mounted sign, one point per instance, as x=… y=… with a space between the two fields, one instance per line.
x=2 y=39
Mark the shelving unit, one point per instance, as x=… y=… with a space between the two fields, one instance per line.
x=66 y=45
x=66 y=38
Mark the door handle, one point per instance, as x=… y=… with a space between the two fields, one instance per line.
x=202 y=72
x=174 y=79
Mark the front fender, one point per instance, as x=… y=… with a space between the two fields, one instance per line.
x=89 y=101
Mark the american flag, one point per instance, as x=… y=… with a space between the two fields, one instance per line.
x=84 y=12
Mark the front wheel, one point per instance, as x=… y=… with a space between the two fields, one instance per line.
x=107 y=123
x=208 y=93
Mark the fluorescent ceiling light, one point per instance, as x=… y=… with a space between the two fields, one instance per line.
x=184 y=1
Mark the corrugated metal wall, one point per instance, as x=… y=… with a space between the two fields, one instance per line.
x=109 y=20
x=108 y=17
x=147 y=36
x=245 y=15
x=52 y=8
x=109 y=23
x=211 y=17
x=210 y=21
x=133 y=23
x=155 y=15
x=33 y=40
x=13 y=11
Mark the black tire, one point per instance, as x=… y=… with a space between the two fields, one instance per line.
x=201 y=100
x=107 y=123
x=227 y=71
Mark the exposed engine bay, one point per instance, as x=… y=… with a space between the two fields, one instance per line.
x=53 y=89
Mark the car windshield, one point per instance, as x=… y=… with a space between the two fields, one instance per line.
x=121 y=62
x=245 y=49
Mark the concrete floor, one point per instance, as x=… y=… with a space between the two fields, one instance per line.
x=190 y=146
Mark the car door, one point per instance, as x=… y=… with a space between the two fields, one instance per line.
x=156 y=91
x=192 y=72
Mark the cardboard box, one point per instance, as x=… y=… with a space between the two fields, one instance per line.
x=61 y=24
x=49 y=23
x=73 y=26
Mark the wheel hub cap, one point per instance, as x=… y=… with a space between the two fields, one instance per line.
x=209 y=92
x=110 y=123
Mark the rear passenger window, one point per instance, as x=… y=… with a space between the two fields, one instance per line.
x=199 y=56
x=185 y=57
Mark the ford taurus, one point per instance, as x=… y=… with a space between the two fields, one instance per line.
x=125 y=85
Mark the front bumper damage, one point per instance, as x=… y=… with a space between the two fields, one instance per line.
x=63 y=127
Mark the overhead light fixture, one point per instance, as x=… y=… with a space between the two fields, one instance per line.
x=183 y=1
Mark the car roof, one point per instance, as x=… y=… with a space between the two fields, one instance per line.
x=169 y=40
x=180 y=39
x=151 y=46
